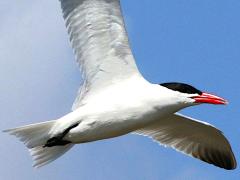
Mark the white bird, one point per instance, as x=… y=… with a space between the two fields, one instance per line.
x=115 y=99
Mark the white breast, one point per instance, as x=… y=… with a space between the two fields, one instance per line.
x=119 y=110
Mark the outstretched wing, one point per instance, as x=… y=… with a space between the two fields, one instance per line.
x=194 y=138
x=100 y=43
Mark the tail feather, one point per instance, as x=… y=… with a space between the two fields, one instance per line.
x=44 y=155
x=35 y=136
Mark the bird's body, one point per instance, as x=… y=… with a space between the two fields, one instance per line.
x=115 y=99
x=118 y=110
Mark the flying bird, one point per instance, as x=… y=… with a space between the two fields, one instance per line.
x=115 y=99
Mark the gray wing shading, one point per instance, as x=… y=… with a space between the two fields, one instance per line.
x=194 y=138
x=100 y=43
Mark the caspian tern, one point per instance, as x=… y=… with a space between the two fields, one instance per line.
x=115 y=99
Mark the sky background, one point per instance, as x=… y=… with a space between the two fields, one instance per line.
x=196 y=42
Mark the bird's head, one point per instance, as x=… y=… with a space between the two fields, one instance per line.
x=192 y=96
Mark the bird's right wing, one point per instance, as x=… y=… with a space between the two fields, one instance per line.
x=194 y=138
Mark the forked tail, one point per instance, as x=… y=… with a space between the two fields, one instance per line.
x=35 y=136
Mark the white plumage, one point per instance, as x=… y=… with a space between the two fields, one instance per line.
x=100 y=43
x=115 y=99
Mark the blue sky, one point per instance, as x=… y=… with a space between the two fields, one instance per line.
x=196 y=42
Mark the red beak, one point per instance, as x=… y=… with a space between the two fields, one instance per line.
x=210 y=99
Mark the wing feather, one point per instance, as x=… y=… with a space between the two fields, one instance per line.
x=194 y=138
x=100 y=43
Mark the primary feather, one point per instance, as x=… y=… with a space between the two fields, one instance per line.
x=192 y=137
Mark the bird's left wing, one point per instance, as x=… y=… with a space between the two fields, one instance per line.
x=100 y=42
x=194 y=138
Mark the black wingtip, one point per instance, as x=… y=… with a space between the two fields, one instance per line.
x=225 y=160
x=232 y=163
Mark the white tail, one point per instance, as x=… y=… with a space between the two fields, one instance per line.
x=44 y=155
x=34 y=136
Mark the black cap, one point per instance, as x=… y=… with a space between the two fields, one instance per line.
x=181 y=87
